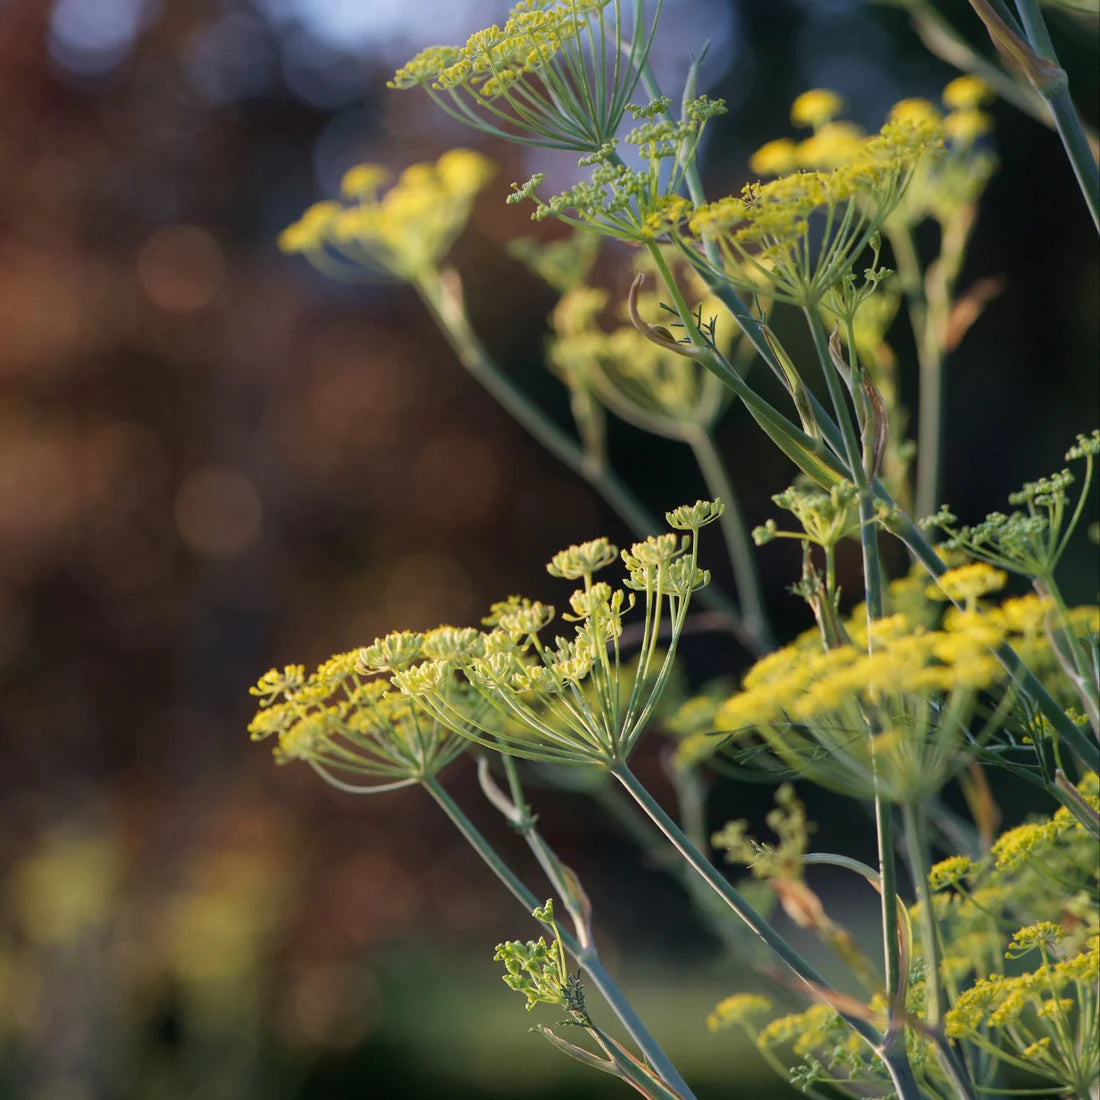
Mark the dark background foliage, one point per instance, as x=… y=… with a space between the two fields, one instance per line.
x=213 y=460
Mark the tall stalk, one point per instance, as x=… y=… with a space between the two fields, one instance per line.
x=893 y=1056
x=585 y=956
x=916 y=848
x=442 y=299
x=1055 y=90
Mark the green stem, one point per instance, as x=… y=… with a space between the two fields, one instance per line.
x=729 y=894
x=929 y=426
x=916 y=848
x=868 y=525
x=1081 y=673
x=586 y=958
x=445 y=307
x=887 y=865
x=895 y=1059
x=939 y=285
x=945 y=42
x=1066 y=120
x=754 y=615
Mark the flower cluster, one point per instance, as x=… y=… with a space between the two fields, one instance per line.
x=538 y=970
x=939 y=184
x=576 y=700
x=816 y=1046
x=1043 y=1019
x=642 y=204
x=764 y=234
x=347 y=723
x=647 y=384
x=557 y=74
x=400 y=234
x=1030 y=541
x=890 y=710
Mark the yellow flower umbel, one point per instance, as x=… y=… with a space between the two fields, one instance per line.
x=347 y=723
x=401 y=233
x=642 y=205
x=894 y=714
x=794 y=237
x=1044 y=1020
x=558 y=74
x=577 y=700
x=648 y=385
x=946 y=187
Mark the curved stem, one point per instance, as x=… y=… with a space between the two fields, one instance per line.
x=1066 y=120
x=444 y=304
x=868 y=526
x=894 y=1056
x=916 y=848
x=586 y=958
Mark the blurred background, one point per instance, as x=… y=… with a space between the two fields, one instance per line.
x=212 y=460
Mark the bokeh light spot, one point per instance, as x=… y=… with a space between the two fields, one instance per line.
x=91 y=39
x=181 y=268
x=218 y=512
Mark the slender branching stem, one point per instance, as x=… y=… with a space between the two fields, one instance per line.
x=587 y=958
x=868 y=527
x=1066 y=120
x=445 y=306
x=916 y=848
x=894 y=1058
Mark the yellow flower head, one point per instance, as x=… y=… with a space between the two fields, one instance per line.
x=833 y=145
x=776 y=158
x=347 y=723
x=542 y=78
x=964 y=127
x=968 y=582
x=845 y=181
x=816 y=107
x=741 y=1008
x=401 y=233
x=914 y=110
x=363 y=181
x=966 y=91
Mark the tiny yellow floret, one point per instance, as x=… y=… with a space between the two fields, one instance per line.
x=968 y=582
x=966 y=91
x=776 y=158
x=816 y=107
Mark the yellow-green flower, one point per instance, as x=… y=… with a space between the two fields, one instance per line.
x=816 y=107
x=838 y=179
x=894 y=712
x=404 y=232
x=741 y=1009
x=965 y=92
x=575 y=700
x=543 y=78
x=348 y=724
